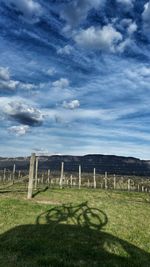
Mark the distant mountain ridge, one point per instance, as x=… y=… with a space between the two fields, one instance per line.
x=112 y=164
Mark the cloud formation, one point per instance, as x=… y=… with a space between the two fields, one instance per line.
x=4 y=73
x=5 y=82
x=24 y=114
x=106 y=38
x=66 y=50
x=72 y=104
x=146 y=19
x=19 y=130
x=77 y=10
x=62 y=83
x=128 y=3
x=80 y=70
x=30 y=9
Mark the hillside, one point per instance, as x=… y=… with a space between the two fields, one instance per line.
x=110 y=163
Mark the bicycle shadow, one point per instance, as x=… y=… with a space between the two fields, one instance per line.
x=68 y=236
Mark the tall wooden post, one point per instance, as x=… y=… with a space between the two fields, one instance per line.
x=129 y=184
x=71 y=180
x=79 y=176
x=19 y=174
x=42 y=180
x=114 y=181
x=31 y=176
x=14 y=170
x=48 y=176
x=36 y=171
x=94 y=178
x=122 y=183
x=4 y=175
x=61 y=175
x=106 y=186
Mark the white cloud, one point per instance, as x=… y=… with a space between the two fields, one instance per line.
x=4 y=73
x=106 y=38
x=66 y=50
x=145 y=71
x=30 y=9
x=9 y=85
x=129 y=25
x=28 y=86
x=62 y=83
x=128 y=3
x=77 y=11
x=132 y=28
x=19 y=130
x=123 y=45
x=51 y=71
x=72 y=104
x=146 y=19
x=146 y=13
x=23 y=113
x=139 y=73
x=5 y=81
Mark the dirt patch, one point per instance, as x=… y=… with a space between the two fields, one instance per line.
x=48 y=202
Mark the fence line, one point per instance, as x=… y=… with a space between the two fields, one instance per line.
x=62 y=179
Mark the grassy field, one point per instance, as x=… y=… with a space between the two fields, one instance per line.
x=72 y=227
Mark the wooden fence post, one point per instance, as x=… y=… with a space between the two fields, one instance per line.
x=114 y=181
x=36 y=172
x=105 y=179
x=14 y=170
x=94 y=178
x=71 y=180
x=122 y=183
x=79 y=176
x=4 y=175
x=129 y=184
x=31 y=176
x=61 y=175
x=48 y=176
x=42 y=180
x=19 y=174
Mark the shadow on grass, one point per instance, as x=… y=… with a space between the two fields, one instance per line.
x=40 y=191
x=13 y=191
x=68 y=236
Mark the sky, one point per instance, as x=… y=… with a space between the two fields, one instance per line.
x=75 y=77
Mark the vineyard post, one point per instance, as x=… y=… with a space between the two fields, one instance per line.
x=105 y=179
x=31 y=175
x=114 y=181
x=79 y=176
x=94 y=178
x=19 y=174
x=4 y=175
x=61 y=175
x=36 y=172
x=48 y=176
x=71 y=180
x=129 y=184
x=14 y=170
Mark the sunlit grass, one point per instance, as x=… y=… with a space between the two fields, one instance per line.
x=66 y=228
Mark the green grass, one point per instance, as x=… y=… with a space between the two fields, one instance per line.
x=72 y=227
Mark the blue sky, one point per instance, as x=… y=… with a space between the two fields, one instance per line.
x=75 y=77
